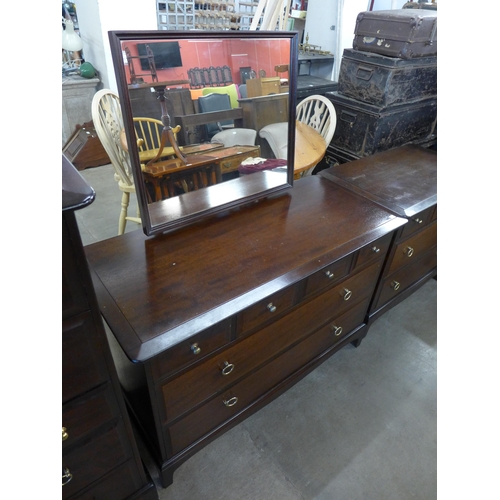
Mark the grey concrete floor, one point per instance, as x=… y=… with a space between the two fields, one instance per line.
x=362 y=426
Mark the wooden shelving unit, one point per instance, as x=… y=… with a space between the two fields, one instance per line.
x=175 y=14
x=205 y=14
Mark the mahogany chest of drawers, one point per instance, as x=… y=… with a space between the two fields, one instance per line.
x=100 y=459
x=403 y=180
x=213 y=321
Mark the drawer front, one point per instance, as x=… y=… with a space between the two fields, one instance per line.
x=226 y=405
x=83 y=365
x=404 y=278
x=418 y=221
x=99 y=456
x=193 y=387
x=118 y=484
x=374 y=251
x=192 y=350
x=83 y=415
x=411 y=249
x=265 y=310
x=329 y=275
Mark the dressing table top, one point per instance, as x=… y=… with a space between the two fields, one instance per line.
x=157 y=291
x=403 y=179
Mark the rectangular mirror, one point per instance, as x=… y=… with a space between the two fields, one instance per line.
x=194 y=104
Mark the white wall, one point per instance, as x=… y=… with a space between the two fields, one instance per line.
x=388 y=4
x=97 y=17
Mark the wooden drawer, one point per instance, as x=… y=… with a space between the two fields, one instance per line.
x=407 y=276
x=329 y=275
x=116 y=485
x=85 y=414
x=235 y=399
x=191 y=351
x=95 y=458
x=195 y=386
x=418 y=221
x=409 y=250
x=374 y=251
x=83 y=364
x=265 y=310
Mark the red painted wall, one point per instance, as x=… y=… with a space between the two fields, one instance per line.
x=235 y=53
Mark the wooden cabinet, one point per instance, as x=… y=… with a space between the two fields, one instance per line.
x=214 y=321
x=100 y=459
x=261 y=111
x=257 y=87
x=402 y=180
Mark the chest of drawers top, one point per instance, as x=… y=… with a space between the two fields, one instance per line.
x=404 y=179
x=156 y=292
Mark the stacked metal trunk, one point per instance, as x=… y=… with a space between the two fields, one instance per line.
x=387 y=88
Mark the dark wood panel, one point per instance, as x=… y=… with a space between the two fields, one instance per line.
x=375 y=251
x=191 y=351
x=83 y=366
x=412 y=248
x=266 y=310
x=402 y=179
x=118 y=484
x=417 y=222
x=96 y=458
x=403 y=279
x=83 y=415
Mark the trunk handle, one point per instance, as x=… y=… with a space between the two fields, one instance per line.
x=350 y=118
x=362 y=71
x=433 y=32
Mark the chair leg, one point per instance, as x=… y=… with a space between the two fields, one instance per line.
x=123 y=214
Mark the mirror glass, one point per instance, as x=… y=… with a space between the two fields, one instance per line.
x=194 y=104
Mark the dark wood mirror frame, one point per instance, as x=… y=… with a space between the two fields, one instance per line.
x=175 y=212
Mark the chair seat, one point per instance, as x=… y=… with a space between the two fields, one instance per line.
x=236 y=137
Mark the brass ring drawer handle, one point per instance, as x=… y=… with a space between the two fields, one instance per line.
x=65 y=435
x=228 y=368
x=66 y=476
x=271 y=307
x=409 y=251
x=337 y=330
x=395 y=285
x=196 y=349
x=347 y=294
x=231 y=402
x=329 y=275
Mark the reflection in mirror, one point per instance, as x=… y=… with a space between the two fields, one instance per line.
x=193 y=105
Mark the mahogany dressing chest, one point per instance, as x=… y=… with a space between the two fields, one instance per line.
x=213 y=321
x=100 y=458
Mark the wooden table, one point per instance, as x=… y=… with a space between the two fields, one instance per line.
x=310 y=147
x=200 y=170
